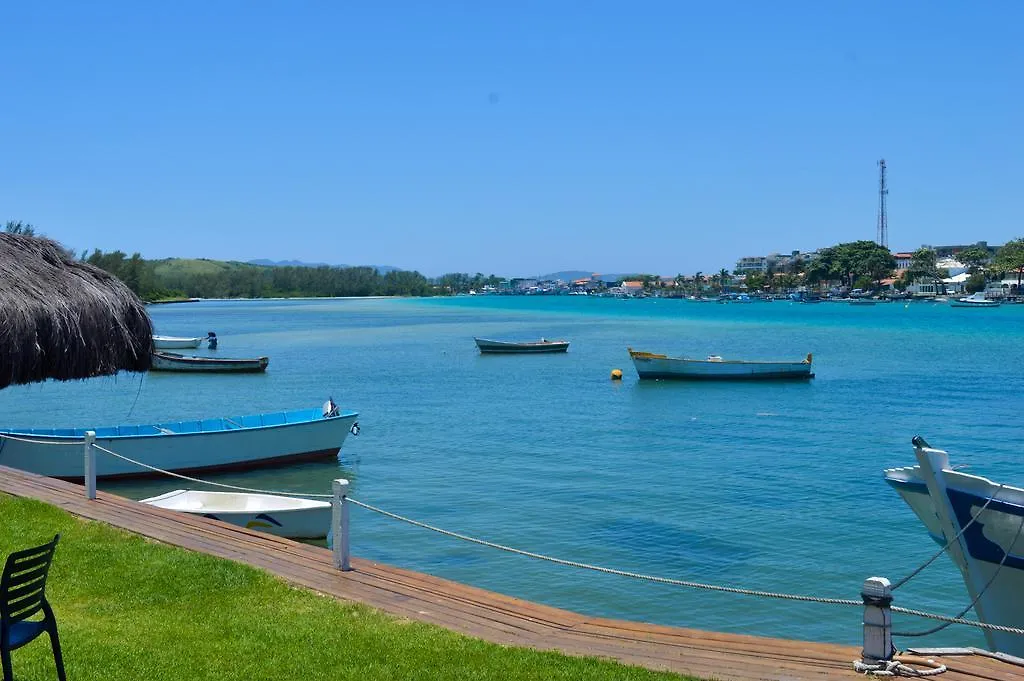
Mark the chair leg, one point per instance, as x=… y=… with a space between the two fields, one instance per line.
x=57 y=657
x=5 y=658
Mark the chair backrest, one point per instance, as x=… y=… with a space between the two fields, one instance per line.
x=23 y=582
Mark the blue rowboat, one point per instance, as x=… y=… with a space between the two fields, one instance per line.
x=217 y=444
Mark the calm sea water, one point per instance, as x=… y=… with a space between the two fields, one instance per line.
x=767 y=486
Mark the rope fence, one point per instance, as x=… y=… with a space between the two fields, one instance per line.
x=571 y=563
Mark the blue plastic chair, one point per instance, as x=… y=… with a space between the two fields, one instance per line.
x=22 y=595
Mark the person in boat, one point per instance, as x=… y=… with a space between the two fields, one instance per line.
x=211 y=339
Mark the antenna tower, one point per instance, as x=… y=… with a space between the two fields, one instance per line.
x=883 y=222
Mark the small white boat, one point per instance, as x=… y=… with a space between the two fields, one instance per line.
x=983 y=524
x=974 y=300
x=522 y=347
x=214 y=444
x=292 y=517
x=651 y=365
x=175 y=342
x=169 y=361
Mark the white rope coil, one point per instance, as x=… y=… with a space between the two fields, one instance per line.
x=898 y=668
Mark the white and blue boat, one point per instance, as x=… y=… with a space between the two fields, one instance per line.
x=982 y=522
x=216 y=444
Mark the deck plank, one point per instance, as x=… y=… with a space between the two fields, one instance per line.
x=476 y=612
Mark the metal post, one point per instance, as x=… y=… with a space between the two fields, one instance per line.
x=90 y=464
x=339 y=524
x=877 y=620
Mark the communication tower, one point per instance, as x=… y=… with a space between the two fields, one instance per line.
x=883 y=223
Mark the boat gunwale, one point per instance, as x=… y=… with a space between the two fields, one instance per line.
x=78 y=438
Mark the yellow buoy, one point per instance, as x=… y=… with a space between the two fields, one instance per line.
x=616 y=374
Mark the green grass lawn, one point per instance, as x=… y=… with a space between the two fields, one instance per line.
x=130 y=608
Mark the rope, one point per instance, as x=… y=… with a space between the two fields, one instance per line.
x=898 y=668
x=955 y=620
x=77 y=443
x=612 y=571
x=207 y=482
x=949 y=543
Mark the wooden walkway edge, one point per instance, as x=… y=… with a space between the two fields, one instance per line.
x=479 y=613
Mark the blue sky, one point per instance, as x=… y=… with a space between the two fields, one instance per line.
x=515 y=138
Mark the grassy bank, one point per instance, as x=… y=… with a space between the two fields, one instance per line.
x=129 y=608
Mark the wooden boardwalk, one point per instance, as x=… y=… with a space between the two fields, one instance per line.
x=479 y=613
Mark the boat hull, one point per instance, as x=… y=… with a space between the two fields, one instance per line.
x=505 y=347
x=239 y=443
x=169 y=361
x=996 y=537
x=277 y=515
x=650 y=366
x=175 y=343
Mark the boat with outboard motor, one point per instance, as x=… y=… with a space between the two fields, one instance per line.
x=236 y=443
x=981 y=524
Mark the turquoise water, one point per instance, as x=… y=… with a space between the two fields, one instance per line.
x=767 y=486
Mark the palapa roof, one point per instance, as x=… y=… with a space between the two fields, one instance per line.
x=65 y=319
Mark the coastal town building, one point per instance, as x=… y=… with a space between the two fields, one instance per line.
x=773 y=261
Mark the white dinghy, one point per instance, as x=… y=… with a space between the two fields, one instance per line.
x=291 y=517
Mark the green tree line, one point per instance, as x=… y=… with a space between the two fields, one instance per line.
x=180 y=278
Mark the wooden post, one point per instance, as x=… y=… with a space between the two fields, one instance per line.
x=339 y=524
x=90 y=464
x=877 y=620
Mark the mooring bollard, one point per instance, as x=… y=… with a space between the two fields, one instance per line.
x=90 y=464
x=877 y=620
x=339 y=524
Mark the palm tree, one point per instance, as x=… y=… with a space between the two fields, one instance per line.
x=698 y=281
x=723 y=277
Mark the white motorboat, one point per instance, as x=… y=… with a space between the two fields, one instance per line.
x=176 y=342
x=982 y=522
x=974 y=300
x=292 y=517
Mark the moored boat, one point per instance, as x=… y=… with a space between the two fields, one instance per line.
x=284 y=516
x=169 y=361
x=237 y=443
x=974 y=300
x=652 y=365
x=982 y=525
x=524 y=347
x=176 y=342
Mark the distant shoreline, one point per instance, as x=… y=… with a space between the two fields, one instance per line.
x=199 y=300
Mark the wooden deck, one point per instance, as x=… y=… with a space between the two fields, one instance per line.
x=479 y=613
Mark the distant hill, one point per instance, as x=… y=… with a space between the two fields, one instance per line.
x=567 y=275
x=383 y=269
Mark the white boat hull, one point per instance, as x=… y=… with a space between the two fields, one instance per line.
x=989 y=552
x=652 y=366
x=290 y=517
x=175 y=343
x=975 y=300
x=215 y=444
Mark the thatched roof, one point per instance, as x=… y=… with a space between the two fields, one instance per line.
x=64 y=319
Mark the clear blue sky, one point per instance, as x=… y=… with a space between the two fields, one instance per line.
x=510 y=137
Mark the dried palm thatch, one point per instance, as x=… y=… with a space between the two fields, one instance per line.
x=64 y=319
